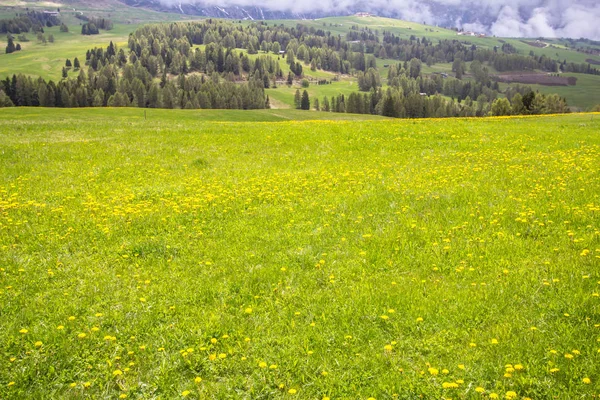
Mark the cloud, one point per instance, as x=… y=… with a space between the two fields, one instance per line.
x=509 y=18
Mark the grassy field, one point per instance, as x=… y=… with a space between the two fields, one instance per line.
x=184 y=256
x=584 y=95
x=47 y=60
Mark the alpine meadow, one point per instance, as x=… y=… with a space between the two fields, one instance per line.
x=322 y=206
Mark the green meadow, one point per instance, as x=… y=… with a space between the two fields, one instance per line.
x=228 y=254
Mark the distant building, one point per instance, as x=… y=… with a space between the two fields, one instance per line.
x=363 y=14
x=52 y=13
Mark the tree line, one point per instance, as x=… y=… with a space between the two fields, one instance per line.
x=32 y=21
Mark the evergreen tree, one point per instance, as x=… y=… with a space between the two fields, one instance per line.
x=305 y=101
x=297 y=99
x=10 y=48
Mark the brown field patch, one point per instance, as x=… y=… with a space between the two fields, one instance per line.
x=537 y=79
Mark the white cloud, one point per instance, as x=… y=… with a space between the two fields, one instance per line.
x=511 y=18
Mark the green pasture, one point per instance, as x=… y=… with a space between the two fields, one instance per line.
x=209 y=255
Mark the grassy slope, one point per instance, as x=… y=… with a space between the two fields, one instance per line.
x=124 y=115
x=47 y=60
x=301 y=237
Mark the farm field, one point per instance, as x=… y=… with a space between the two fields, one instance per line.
x=184 y=255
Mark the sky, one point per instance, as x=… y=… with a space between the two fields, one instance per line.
x=507 y=18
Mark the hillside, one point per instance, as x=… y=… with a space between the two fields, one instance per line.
x=179 y=255
x=580 y=89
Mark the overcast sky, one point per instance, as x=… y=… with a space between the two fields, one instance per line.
x=509 y=18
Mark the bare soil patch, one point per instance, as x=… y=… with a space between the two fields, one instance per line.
x=533 y=78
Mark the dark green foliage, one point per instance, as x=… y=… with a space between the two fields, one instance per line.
x=10 y=47
x=305 y=102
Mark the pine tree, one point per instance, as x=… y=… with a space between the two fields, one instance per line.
x=305 y=102
x=76 y=63
x=10 y=48
x=298 y=99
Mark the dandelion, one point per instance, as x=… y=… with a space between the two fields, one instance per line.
x=10 y=384
x=493 y=396
x=185 y=393
x=222 y=355
x=388 y=348
x=479 y=389
x=71 y=318
x=419 y=319
x=197 y=380
x=123 y=396
x=587 y=381
x=292 y=391
x=38 y=344
x=248 y=310
x=82 y=336
x=262 y=364
x=60 y=327
x=510 y=395
x=117 y=372
x=433 y=371
x=23 y=331
x=450 y=385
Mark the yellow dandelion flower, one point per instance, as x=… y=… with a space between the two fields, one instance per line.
x=510 y=395
x=248 y=310
x=479 y=389
x=292 y=391
x=23 y=331
x=587 y=381
x=493 y=396
x=222 y=355
x=117 y=372
x=197 y=379
x=262 y=364
x=433 y=371
x=449 y=385
x=38 y=344
x=388 y=348
x=185 y=393
x=81 y=336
